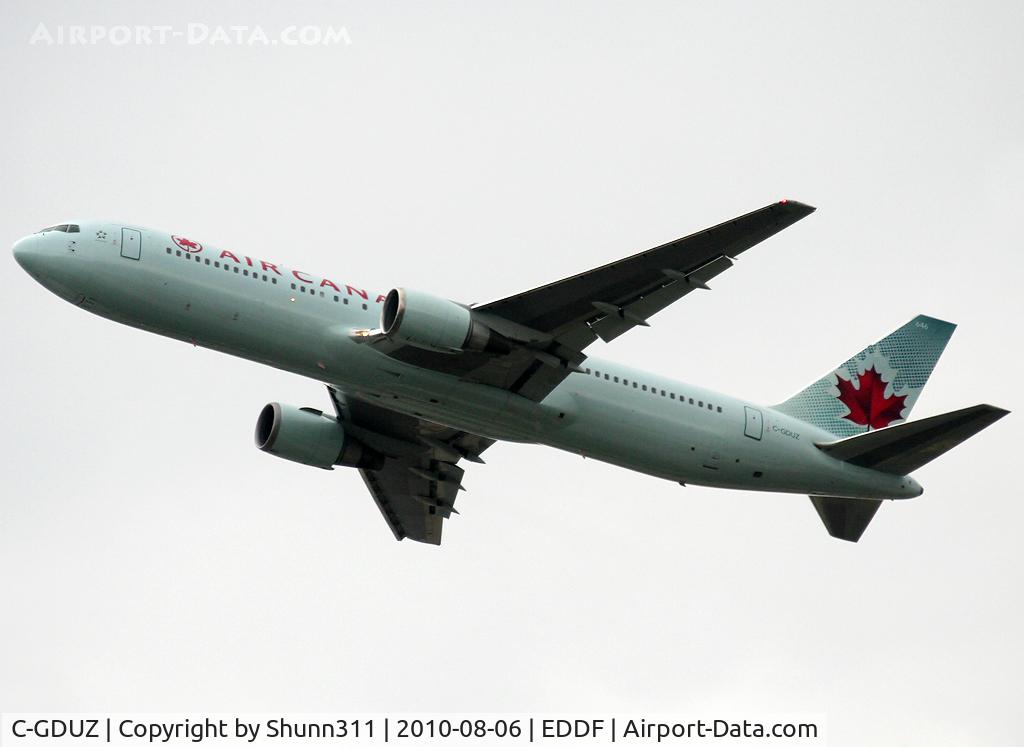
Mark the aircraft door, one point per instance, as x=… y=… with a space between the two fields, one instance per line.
x=131 y=243
x=754 y=427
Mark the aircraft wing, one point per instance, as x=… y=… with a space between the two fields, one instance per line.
x=416 y=489
x=556 y=322
x=612 y=299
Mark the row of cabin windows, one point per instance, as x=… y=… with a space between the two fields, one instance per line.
x=216 y=263
x=655 y=390
x=313 y=292
x=255 y=275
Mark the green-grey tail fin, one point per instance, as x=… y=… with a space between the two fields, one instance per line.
x=876 y=387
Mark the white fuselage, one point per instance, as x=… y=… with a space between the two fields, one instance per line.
x=303 y=323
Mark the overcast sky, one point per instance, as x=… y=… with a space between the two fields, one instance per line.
x=151 y=558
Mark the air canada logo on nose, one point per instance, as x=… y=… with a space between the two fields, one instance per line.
x=187 y=245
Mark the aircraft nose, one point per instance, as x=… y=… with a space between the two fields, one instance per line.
x=915 y=487
x=35 y=255
x=23 y=252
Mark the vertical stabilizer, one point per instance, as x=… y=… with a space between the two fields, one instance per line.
x=876 y=387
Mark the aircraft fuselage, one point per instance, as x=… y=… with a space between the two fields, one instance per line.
x=303 y=323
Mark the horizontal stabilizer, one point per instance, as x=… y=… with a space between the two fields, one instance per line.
x=845 y=518
x=900 y=449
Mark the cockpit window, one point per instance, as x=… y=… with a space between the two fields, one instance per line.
x=65 y=227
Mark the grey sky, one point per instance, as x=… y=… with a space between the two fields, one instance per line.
x=152 y=559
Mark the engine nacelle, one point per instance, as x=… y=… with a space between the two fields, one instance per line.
x=307 y=436
x=424 y=321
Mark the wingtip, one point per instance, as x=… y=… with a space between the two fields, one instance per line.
x=796 y=204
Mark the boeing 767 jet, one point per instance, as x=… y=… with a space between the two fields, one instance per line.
x=419 y=384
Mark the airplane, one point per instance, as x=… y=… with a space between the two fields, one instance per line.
x=419 y=383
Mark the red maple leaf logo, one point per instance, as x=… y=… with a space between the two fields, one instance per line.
x=868 y=405
x=187 y=244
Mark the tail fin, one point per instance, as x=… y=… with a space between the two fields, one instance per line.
x=876 y=387
x=903 y=448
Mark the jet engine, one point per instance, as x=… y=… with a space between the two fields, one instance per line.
x=424 y=321
x=307 y=436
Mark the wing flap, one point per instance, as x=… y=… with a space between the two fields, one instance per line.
x=404 y=518
x=676 y=284
x=416 y=488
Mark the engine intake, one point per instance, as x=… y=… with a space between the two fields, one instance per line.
x=424 y=321
x=307 y=436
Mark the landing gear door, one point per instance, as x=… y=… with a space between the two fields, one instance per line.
x=754 y=426
x=131 y=243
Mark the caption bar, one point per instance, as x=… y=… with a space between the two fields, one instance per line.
x=262 y=729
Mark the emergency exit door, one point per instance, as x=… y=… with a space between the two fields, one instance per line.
x=755 y=423
x=131 y=243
